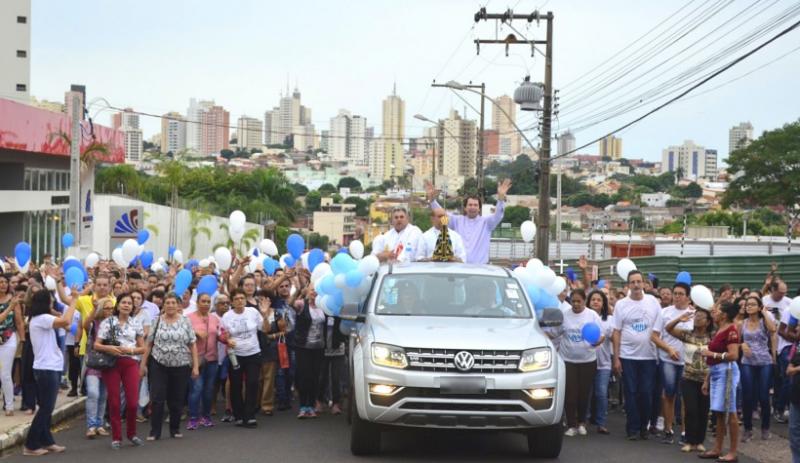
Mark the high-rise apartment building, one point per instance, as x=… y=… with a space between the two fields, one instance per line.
x=566 y=143
x=15 y=50
x=193 y=127
x=128 y=121
x=346 y=138
x=508 y=137
x=740 y=136
x=249 y=132
x=214 y=130
x=173 y=133
x=394 y=113
x=689 y=161
x=305 y=138
x=611 y=147
x=458 y=149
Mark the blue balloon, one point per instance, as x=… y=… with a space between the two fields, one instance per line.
x=182 y=281
x=73 y=328
x=171 y=251
x=67 y=240
x=343 y=250
x=289 y=261
x=591 y=333
x=192 y=263
x=548 y=301
x=343 y=263
x=142 y=236
x=295 y=245
x=270 y=265
x=334 y=305
x=255 y=252
x=328 y=285
x=353 y=278
x=315 y=257
x=22 y=253
x=146 y=259
x=571 y=274
x=72 y=263
x=207 y=285
x=684 y=277
x=601 y=284
x=535 y=293
x=74 y=277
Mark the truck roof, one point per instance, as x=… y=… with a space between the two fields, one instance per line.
x=444 y=267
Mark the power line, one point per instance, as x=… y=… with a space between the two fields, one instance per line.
x=686 y=92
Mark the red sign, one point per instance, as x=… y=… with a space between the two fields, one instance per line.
x=27 y=128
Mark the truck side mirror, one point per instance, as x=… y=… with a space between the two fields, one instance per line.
x=352 y=313
x=551 y=318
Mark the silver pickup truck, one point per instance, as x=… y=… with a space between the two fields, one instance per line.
x=456 y=346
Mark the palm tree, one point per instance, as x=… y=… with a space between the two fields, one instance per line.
x=196 y=227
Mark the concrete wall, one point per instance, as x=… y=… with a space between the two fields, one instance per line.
x=159 y=216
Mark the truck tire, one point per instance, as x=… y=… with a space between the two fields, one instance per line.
x=545 y=442
x=365 y=437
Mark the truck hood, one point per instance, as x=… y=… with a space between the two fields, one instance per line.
x=457 y=332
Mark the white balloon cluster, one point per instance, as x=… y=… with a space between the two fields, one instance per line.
x=535 y=273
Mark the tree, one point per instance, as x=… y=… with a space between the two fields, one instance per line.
x=327 y=189
x=313 y=201
x=767 y=171
x=515 y=215
x=362 y=205
x=227 y=154
x=300 y=189
x=350 y=182
x=315 y=240
x=118 y=179
x=422 y=217
x=337 y=198
x=693 y=190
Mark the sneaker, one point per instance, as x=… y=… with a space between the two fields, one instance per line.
x=55 y=448
x=660 y=423
x=191 y=425
x=206 y=422
x=115 y=445
x=632 y=437
x=251 y=424
x=571 y=432
x=141 y=419
x=311 y=413
x=602 y=430
x=136 y=441
x=34 y=453
x=72 y=393
x=91 y=433
x=101 y=431
x=765 y=434
x=682 y=439
x=227 y=418
x=239 y=423
x=643 y=435
x=336 y=410
x=669 y=438
x=779 y=417
x=582 y=430
x=747 y=436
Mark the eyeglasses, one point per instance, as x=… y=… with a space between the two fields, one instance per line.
x=222 y=302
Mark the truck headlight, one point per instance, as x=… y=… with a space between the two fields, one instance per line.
x=389 y=356
x=535 y=359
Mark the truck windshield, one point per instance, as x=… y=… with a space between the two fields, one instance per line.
x=443 y=295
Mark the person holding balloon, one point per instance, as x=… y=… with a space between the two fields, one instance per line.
x=310 y=350
x=581 y=332
x=206 y=328
x=11 y=330
x=598 y=302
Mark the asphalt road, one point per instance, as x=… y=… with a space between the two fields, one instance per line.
x=285 y=439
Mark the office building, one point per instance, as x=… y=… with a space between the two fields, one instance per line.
x=503 y=122
x=15 y=50
x=173 y=133
x=249 y=132
x=740 y=136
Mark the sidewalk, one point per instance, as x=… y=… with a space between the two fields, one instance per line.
x=14 y=429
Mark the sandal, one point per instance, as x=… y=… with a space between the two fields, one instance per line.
x=708 y=456
x=728 y=460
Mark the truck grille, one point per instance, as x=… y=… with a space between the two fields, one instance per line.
x=442 y=360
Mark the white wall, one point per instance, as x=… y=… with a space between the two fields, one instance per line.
x=159 y=216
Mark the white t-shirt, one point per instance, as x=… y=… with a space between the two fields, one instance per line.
x=430 y=237
x=46 y=354
x=573 y=348
x=243 y=329
x=606 y=351
x=636 y=320
x=783 y=311
x=69 y=340
x=667 y=315
x=406 y=244
x=151 y=309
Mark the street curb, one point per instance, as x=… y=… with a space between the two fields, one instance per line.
x=16 y=435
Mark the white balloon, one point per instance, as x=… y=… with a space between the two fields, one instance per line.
x=161 y=260
x=141 y=249
x=253 y=265
x=24 y=268
x=282 y=261
x=92 y=259
x=118 y=257
x=130 y=249
x=534 y=265
x=545 y=278
x=624 y=267
x=527 y=230
x=356 y=249
x=368 y=265
x=340 y=280
x=304 y=260
x=794 y=308
x=525 y=275
x=557 y=287
x=268 y=247
x=223 y=257
x=320 y=303
x=366 y=285
x=177 y=256
x=50 y=283
x=238 y=219
x=204 y=263
x=156 y=267
x=236 y=233
x=702 y=297
x=322 y=269
x=70 y=258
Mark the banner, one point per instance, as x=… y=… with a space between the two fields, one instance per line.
x=124 y=223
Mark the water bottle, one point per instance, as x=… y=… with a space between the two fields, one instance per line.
x=234 y=361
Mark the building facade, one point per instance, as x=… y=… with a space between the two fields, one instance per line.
x=214 y=130
x=739 y=136
x=15 y=50
x=566 y=143
x=689 y=161
x=394 y=113
x=194 y=133
x=611 y=147
x=458 y=149
x=508 y=137
x=249 y=132
x=173 y=133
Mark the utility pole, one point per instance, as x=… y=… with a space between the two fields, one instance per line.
x=480 y=153
x=543 y=221
x=75 y=168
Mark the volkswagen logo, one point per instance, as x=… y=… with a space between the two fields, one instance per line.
x=464 y=361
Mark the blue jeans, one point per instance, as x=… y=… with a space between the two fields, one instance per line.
x=756 y=381
x=203 y=391
x=96 y=395
x=601 y=379
x=783 y=386
x=47 y=384
x=670 y=378
x=794 y=432
x=638 y=377
x=284 y=381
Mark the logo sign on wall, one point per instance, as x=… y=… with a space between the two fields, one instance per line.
x=124 y=222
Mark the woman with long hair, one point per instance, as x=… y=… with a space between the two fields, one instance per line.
x=310 y=350
x=757 y=330
x=48 y=366
x=722 y=379
x=12 y=329
x=120 y=336
x=96 y=392
x=206 y=328
x=599 y=303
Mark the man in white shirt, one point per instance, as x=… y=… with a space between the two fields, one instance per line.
x=634 y=354
x=778 y=304
x=430 y=237
x=401 y=243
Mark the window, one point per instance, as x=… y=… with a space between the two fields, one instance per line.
x=22 y=20
x=22 y=54
x=22 y=88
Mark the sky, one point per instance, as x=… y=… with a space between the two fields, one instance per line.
x=153 y=55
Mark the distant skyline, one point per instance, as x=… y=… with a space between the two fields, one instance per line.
x=153 y=56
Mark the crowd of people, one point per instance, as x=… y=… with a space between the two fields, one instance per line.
x=141 y=352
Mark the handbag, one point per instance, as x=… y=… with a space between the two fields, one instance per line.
x=283 y=353
x=100 y=360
